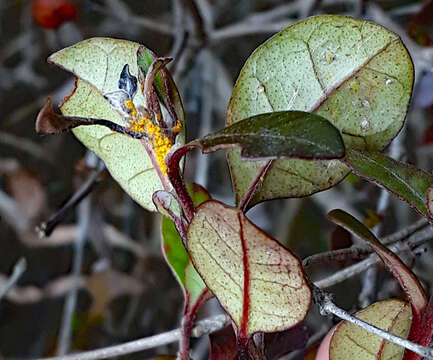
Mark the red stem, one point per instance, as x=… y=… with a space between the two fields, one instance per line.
x=186 y=328
x=188 y=323
x=254 y=186
x=176 y=179
x=242 y=345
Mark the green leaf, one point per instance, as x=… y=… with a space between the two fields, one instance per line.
x=401 y=272
x=279 y=134
x=351 y=342
x=356 y=74
x=406 y=181
x=260 y=283
x=98 y=63
x=175 y=253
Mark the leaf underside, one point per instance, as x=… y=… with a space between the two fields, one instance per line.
x=97 y=63
x=356 y=74
x=259 y=283
x=352 y=342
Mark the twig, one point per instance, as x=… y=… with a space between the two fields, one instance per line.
x=12 y=213
x=180 y=35
x=405 y=232
x=25 y=145
x=199 y=23
x=354 y=252
x=71 y=300
x=358 y=268
x=367 y=295
x=46 y=228
x=328 y=307
x=203 y=327
x=18 y=270
x=360 y=251
x=246 y=28
x=275 y=13
x=207 y=83
x=154 y=25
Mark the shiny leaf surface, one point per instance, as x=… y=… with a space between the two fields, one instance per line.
x=279 y=134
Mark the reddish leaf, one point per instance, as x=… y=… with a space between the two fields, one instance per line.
x=426 y=336
x=340 y=239
x=223 y=344
x=402 y=273
x=427 y=138
x=421 y=25
x=50 y=14
x=280 y=343
x=312 y=352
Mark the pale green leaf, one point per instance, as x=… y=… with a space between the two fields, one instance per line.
x=352 y=342
x=356 y=74
x=260 y=283
x=98 y=63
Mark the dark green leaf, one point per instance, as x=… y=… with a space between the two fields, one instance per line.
x=406 y=181
x=277 y=135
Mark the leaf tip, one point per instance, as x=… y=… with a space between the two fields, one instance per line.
x=48 y=121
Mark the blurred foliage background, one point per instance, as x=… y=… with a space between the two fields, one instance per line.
x=123 y=288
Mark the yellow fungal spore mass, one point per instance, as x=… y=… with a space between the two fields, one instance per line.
x=161 y=144
x=131 y=107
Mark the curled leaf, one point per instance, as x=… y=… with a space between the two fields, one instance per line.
x=110 y=68
x=401 y=272
x=49 y=121
x=259 y=282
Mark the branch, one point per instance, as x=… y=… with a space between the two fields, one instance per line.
x=203 y=327
x=84 y=210
x=46 y=228
x=354 y=253
x=12 y=213
x=246 y=28
x=398 y=247
x=323 y=299
x=360 y=251
x=18 y=270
